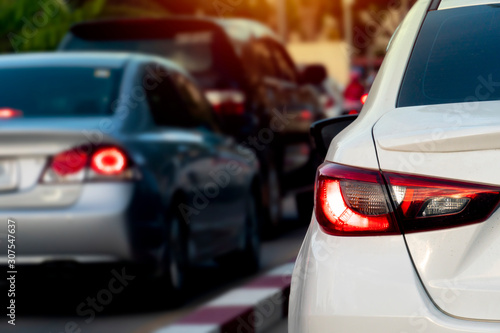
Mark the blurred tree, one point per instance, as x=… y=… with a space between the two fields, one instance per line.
x=133 y=8
x=29 y=25
x=35 y=26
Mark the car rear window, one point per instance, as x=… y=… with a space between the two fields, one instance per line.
x=455 y=58
x=192 y=51
x=59 y=91
x=201 y=48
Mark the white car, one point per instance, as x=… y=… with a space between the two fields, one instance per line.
x=405 y=236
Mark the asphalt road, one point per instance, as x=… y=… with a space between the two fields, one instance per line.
x=51 y=306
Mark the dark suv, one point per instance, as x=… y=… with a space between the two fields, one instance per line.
x=248 y=77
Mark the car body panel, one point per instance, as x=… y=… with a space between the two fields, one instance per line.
x=364 y=284
x=458 y=266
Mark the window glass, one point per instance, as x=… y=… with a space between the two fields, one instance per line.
x=178 y=102
x=197 y=106
x=285 y=68
x=455 y=58
x=165 y=103
x=59 y=91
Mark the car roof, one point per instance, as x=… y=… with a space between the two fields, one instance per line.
x=241 y=29
x=446 y=4
x=81 y=59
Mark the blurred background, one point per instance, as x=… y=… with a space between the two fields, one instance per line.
x=331 y=32
x=308 y=59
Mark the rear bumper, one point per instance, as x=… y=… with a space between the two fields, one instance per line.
x=364 y=284
x=105 y=225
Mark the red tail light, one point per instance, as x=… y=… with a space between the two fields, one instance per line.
x=353 y=202
x=7 y=113
x=109 y=161
x=356 y=202
x=227 y=102
x=69 y=162
x=306 y=115
x=364 y=98
x=86 y=163
x=428 y=204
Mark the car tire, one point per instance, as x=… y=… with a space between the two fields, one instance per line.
x=173 y=280
x=247 y=260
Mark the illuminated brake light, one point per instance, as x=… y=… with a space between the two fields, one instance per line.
x=7 y=113
x=352 y=202
x=69 y=162
x=306 y=115
x=227 y=102
x=364 y=98
x=90 y=164
x=108 y=161
x=357 y=202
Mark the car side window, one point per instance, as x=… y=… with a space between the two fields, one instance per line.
x=165 y=103
x=257 y=58
x=198 y=108
x=284 y=66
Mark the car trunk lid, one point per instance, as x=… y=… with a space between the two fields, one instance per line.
x=459 y=267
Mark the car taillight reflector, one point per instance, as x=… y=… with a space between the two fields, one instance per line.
x=424 y=203
x=109 y=161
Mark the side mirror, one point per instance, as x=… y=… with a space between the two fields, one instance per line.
x=313 y=74
x=324 y=131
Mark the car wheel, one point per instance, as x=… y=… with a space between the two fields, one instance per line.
x=248 y=259
x=176 y=259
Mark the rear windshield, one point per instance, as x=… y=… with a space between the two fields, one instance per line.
x=205 y=54
x=192 y=51
x=59 y=91
x=455 y=59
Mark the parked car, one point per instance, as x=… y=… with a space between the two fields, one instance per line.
x=405 y=234
x=249 y=78
x=118 y=159
x=330 y=92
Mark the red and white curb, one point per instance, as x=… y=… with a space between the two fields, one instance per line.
x=252 y=308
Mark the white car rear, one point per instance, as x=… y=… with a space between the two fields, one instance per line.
x=405 y=236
